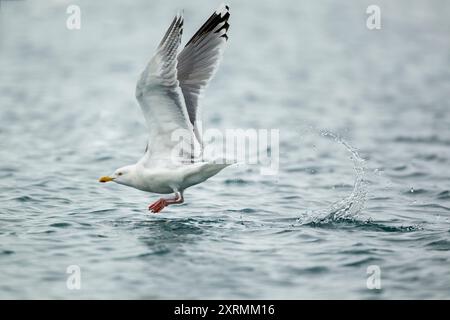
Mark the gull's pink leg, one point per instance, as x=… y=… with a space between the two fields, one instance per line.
x=160 y=204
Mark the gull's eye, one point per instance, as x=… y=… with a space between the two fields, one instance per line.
x=120 y=173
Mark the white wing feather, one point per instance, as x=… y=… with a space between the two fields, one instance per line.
x=161 y=99
x=170 y=87
x=200 y=59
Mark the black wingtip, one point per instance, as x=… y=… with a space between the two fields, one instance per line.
x=214 y=20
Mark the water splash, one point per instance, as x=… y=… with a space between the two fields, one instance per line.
x=349 y=207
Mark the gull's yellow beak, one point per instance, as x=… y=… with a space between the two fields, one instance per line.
x=105 y=179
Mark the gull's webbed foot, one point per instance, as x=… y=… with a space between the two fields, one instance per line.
x=157 y=206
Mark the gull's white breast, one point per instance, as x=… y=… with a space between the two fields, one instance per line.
x=167 y=180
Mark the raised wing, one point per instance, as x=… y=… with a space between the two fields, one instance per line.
x=162 y=101
x=199 y=60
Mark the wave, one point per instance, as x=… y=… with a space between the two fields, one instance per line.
x=432 y=139
x=366 y=225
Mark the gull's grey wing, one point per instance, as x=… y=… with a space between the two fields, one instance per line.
x=200 y=59
x=161 y=99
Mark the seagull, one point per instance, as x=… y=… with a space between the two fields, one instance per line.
x=168 y=92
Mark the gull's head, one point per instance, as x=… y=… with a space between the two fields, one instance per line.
x=122 y=175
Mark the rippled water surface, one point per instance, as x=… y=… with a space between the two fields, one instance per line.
x=364 y=154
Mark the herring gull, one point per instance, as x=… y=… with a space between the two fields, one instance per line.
x=168 y=92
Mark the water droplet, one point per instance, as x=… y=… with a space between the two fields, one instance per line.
x=378 y=172
x=412 y=190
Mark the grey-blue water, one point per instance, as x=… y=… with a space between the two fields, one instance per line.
x=363 y=180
